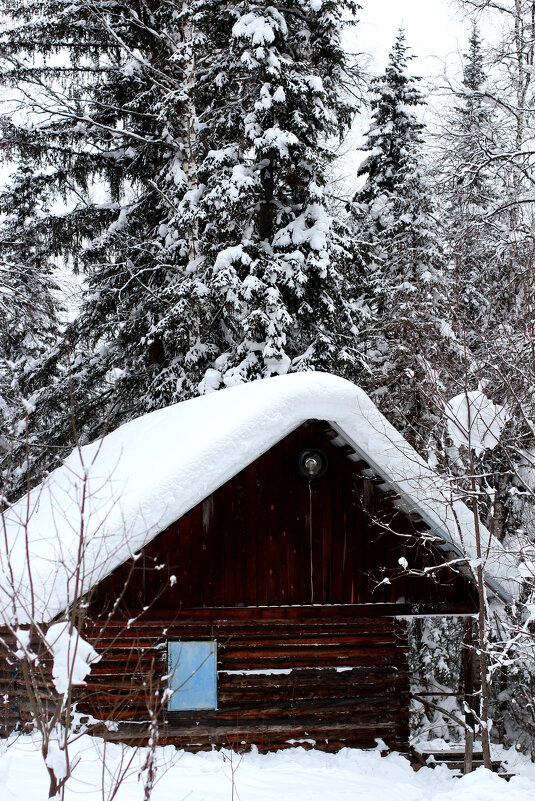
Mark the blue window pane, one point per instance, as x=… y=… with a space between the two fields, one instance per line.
x=192 y=675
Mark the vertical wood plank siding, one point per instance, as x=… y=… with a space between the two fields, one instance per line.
x=269 y=538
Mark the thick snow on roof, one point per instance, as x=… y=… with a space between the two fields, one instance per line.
x=113 y=496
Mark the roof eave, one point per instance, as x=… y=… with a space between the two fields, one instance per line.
x=439 y=531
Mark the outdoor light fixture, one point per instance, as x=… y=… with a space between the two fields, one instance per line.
x=312 y=464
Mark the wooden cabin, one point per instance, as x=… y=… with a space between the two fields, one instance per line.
x=273 y=609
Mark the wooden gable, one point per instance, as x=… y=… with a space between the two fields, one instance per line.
x=269 y=537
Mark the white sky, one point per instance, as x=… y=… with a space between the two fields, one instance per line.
x=435 y=31
x=437 y=34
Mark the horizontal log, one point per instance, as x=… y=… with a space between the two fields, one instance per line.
x=241 y=741
x=317 y=653
x=134 y=669
x=260 y=658
x=353 y=711
x=333 y=684
x=261 y=696
x=295 y=635
x=283 y=650
x=311 y=720
x=229 y=628
x=379 y=613
x=261 y=729
x=297 y=694
x=265 y=684
x=332 y=651
x=274 y=663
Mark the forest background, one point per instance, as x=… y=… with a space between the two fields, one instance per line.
x=185 y=165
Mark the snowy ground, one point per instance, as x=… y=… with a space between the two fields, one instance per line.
x=291 y=775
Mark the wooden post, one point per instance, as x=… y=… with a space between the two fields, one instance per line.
x=468 y=682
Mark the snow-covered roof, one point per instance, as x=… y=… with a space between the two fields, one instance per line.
x=111 y=497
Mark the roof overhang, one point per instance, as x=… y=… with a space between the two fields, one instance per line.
x=443 y=539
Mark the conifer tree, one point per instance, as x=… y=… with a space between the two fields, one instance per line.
x=28 y=311
x=280 y=273
x=485 y=308
x=475 y=238
x=393 y=212
x=188 y=147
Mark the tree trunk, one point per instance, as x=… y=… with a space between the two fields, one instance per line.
x=468 y=682
x=482 y=629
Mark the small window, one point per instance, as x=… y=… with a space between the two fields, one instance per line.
x=192 y=669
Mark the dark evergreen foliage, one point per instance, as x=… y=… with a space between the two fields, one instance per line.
x=188 y=146
x=475 y=240
x=394 y=214
x=28 y=309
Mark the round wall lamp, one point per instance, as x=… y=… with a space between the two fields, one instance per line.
x=312 y=464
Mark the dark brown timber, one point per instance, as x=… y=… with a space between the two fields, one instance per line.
x=300 y=583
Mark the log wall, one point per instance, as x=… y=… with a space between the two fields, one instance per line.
x=16 y=713
x=283 y=678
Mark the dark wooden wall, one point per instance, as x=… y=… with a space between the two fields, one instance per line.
x=268 y=537
x=346 y=678
x=285 y=575
x=14 y=711
x=15 y=708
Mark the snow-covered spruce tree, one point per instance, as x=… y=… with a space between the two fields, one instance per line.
x=189 y=144
x=281 y=271
x=393 y=213
x=475 y=236
x=28 y=313
x=85 y=133
x=492 y=314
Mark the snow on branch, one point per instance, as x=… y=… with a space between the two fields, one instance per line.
x=73 y=656
x=474 y=421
